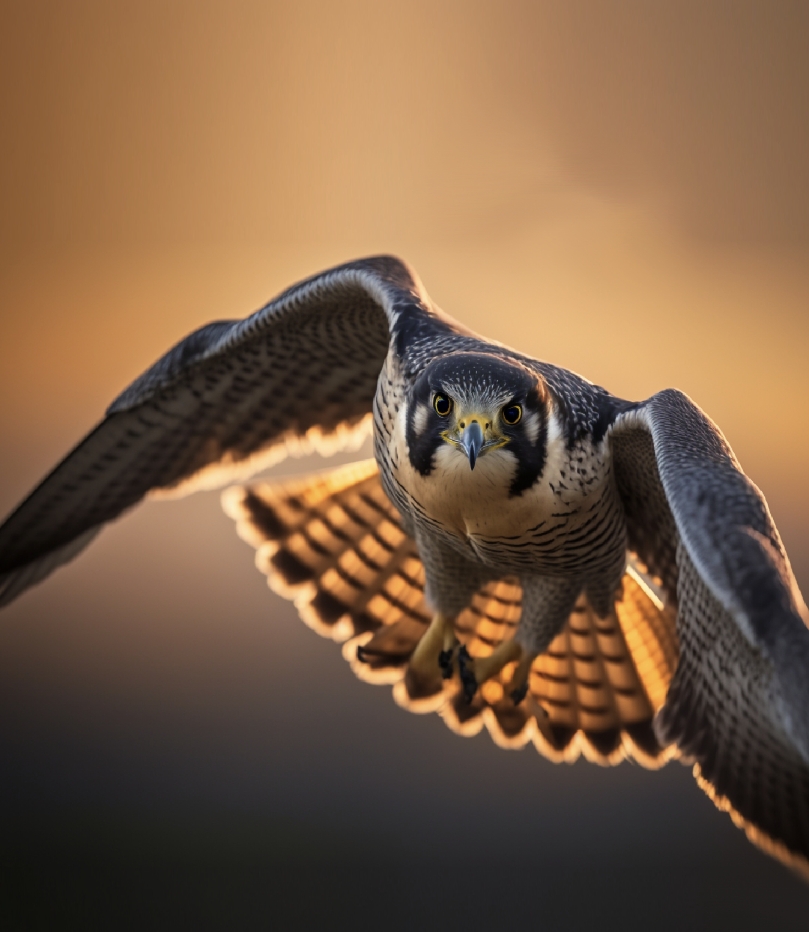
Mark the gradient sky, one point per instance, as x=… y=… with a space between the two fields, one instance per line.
x=622 y=189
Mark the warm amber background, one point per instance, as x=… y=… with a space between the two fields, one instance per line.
x=619 y=188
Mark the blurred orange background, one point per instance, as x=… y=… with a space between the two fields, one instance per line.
x=622 y=189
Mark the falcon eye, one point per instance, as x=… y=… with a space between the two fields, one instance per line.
x=512 y=414
x=442 y=405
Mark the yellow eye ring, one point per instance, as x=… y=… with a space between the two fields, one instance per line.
x=442 y=405
x=512 y=414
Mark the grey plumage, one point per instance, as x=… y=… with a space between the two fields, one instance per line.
x=587 y=474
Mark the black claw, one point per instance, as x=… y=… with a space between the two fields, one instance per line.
x=518 y=694
x=445 y=662
x=468 y=681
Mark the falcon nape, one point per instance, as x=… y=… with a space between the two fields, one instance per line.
x=525 y=552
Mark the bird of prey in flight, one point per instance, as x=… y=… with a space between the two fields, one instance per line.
x=525 y=552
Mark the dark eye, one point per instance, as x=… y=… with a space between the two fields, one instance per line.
x=512 y=414
x=442 y=405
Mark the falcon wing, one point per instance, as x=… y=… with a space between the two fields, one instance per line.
x=738 y=704
x=230 y=398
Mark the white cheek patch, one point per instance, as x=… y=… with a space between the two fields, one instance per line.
x=531 y=427
x=400 y=433
x=555 y=446
x=554 y=427
x=420 y=416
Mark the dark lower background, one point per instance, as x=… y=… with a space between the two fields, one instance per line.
x=181 y=752
x=231 y=872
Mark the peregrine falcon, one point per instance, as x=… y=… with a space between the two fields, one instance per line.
x=525 y=552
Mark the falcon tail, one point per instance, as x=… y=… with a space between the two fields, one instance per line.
x=333 y=544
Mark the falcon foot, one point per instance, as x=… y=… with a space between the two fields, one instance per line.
x=434 y=652
x=518 y=688
x=445 y=663
x=475 y=671
x=518 y=694
x=466 y=668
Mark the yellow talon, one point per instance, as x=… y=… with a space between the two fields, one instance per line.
x=480 y=670
x=518 y=686
x=484 y=668
x=477 y=671
x=436 y=640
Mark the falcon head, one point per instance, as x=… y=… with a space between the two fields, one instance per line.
x=472 y=406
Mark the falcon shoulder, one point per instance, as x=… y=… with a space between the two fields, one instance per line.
x=738 y=704
x=229 y=399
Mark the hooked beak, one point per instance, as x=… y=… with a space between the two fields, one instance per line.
x=470 y=441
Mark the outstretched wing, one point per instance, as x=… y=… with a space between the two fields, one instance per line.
x=738 y=705
x=229 y=398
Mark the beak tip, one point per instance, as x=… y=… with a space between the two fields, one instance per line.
x=471 y=442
